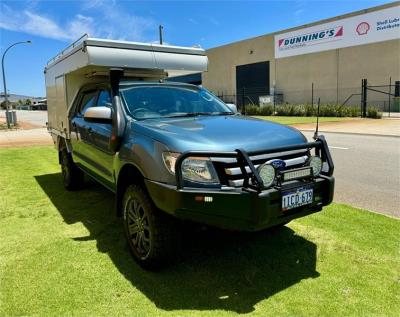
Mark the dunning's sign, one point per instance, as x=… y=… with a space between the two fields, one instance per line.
x=318 y=37
x=366 y=28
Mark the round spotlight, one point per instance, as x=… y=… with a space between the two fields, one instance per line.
x=316 y=163
x=267 y=174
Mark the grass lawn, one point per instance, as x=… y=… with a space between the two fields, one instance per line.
x=63 y=253
x=296 y=120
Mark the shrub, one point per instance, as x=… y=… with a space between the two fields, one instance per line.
x=283 y=110
x=266 y=110
x=252 y=110
x=307 y=110
x=326 y=110
x=374 y=112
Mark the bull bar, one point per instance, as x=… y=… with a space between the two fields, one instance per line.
x=243 y=158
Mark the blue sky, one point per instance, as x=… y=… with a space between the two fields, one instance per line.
x=52 y=25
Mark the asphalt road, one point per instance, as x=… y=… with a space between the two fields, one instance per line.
x=367 y=171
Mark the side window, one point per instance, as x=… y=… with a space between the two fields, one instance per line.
x=87 y=101
x=104 y=99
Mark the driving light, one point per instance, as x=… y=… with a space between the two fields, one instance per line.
x=267 y=174
x=316 y=163
x=195 y=169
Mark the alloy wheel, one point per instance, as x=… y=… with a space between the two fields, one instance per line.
x=138 y=227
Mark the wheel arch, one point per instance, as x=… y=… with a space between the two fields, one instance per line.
x=128 y=174
x=62 y=144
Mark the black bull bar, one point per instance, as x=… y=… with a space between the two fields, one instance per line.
x=243 y=159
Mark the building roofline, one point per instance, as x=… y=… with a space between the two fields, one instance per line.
x=327 y=20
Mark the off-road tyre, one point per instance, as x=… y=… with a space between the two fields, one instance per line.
x=72 y=175
x=153 y=236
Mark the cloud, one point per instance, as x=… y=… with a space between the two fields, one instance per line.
x=298 y=12
x=90 y=4
x=117 y=23
x=193 y=21
x=40 y=25
x=300 y=8
x=111 y=22
x=214 y=21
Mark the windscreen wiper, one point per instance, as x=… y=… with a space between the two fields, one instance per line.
x=189 y=114
x=224 y=113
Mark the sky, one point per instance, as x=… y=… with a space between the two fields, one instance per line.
x=53 y=25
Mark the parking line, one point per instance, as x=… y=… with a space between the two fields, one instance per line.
x=339 y=148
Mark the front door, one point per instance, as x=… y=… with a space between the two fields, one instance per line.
x=100 y=154
x=81 y=137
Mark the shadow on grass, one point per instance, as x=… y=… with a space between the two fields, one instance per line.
x=217 y=270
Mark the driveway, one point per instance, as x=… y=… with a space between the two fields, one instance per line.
x=12 y=138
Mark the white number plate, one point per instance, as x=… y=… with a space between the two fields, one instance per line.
x=296 y=198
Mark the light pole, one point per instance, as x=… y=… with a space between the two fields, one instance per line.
x=4 y=78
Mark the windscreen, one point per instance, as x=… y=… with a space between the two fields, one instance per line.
x=156 y=101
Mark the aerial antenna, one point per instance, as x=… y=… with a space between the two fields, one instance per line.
x=160 y=30
x=316 y=128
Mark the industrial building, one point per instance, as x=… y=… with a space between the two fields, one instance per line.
x=327 y=59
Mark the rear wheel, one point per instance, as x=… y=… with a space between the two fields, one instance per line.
x=72 y=175
x=152 y=235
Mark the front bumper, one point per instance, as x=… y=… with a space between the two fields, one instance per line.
x=238 y=209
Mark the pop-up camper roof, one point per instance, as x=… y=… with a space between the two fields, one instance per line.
x=89 y=60
x=94 y=55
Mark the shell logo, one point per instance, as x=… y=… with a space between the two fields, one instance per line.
x=362 y=28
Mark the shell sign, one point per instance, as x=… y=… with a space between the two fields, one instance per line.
x=376 y=26
x=362 y=28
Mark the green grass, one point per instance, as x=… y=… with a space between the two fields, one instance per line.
x=64 y=253
x=296 y=120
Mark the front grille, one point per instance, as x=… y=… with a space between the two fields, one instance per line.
x=231 y=175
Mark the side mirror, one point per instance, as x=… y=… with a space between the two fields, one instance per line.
x=98 y=114
x=233 y=107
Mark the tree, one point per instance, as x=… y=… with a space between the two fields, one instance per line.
x=3 y=105
x=28 y=101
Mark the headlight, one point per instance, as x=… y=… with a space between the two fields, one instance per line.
x=316 y=163
x=195 y=169
x=267 y=174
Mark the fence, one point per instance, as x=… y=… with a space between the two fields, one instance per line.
x=386 y=97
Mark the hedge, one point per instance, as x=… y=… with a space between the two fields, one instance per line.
x=307 y=110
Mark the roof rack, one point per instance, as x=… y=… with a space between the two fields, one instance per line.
x=68 y=48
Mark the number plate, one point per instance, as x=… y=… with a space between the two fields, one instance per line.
x=298 y=197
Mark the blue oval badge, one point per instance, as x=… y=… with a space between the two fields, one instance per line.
x=278 y=164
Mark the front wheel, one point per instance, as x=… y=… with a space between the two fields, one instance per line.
x=152 y=235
